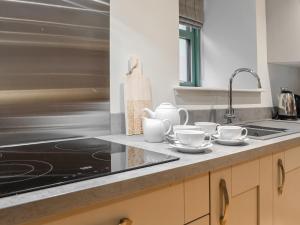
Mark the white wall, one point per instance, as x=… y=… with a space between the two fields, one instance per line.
x=283 y=27
x=149 y=29
x=283 y=17
x=262 y=57
x=234 y=36
x=229 y=42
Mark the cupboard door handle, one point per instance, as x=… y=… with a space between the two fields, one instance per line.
x=281 y=181
x=125 y=221
x=224 y=202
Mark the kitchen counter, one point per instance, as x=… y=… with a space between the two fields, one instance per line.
x=38 y=204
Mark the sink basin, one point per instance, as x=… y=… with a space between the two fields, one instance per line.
x=260 y=132
x=264 y=133
x=265 y=128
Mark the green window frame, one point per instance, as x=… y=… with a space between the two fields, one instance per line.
x=193 y=36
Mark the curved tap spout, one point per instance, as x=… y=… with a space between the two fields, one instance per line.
x=230 y=111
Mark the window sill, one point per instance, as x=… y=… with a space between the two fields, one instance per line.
x=216 y=90
x=204 y=97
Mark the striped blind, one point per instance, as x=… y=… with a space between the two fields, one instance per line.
x=191 y=12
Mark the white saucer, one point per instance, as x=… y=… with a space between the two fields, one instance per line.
x=189 y=149
x=232 y=142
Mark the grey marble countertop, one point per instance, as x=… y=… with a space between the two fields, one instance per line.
x=42 y=203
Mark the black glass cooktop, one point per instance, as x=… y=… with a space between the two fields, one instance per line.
x=31 y=167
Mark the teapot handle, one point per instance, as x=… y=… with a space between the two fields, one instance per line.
x=170 y=126
x=186 y=115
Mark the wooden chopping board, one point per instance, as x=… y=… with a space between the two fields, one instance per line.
x=137 y=96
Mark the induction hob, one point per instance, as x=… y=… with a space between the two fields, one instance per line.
x=31 y=167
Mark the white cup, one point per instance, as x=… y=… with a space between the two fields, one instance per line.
x=208 y=127
x=232 y=132
x=192 y=138
x=184 y=127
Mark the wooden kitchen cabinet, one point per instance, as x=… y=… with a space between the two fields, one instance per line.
x=196 y=197
x=202 y=221
x=283 y=32
x=236 y=194
x=160 y=207
x=286 y=187
x=183 y=203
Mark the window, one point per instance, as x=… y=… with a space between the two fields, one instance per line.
x=189 y=55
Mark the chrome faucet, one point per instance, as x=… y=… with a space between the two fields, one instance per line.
x=229 y=116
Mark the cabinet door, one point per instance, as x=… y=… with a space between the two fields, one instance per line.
x=160 y=207
x=196 y=198
x=201 y=221
x=286 y=190
x=235 y=194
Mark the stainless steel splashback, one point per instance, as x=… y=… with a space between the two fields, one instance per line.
x=54 y=69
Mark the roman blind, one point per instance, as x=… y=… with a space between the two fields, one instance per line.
x=191 y=12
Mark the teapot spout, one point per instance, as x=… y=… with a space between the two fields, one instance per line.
x=149 y=112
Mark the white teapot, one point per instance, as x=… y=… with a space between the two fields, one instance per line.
x=169 y=112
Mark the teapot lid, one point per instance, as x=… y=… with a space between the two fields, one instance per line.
x=166 y=105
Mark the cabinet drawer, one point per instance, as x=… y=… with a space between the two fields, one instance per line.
x=201 y=221
x=160 y=207
x=245 y=177
x=196 y=197
x=292 y=159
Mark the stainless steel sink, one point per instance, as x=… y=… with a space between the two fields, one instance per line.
x=264 y=133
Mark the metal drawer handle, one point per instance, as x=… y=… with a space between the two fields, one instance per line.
x=281 y=180
x=125 y=221
x=224 y=202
